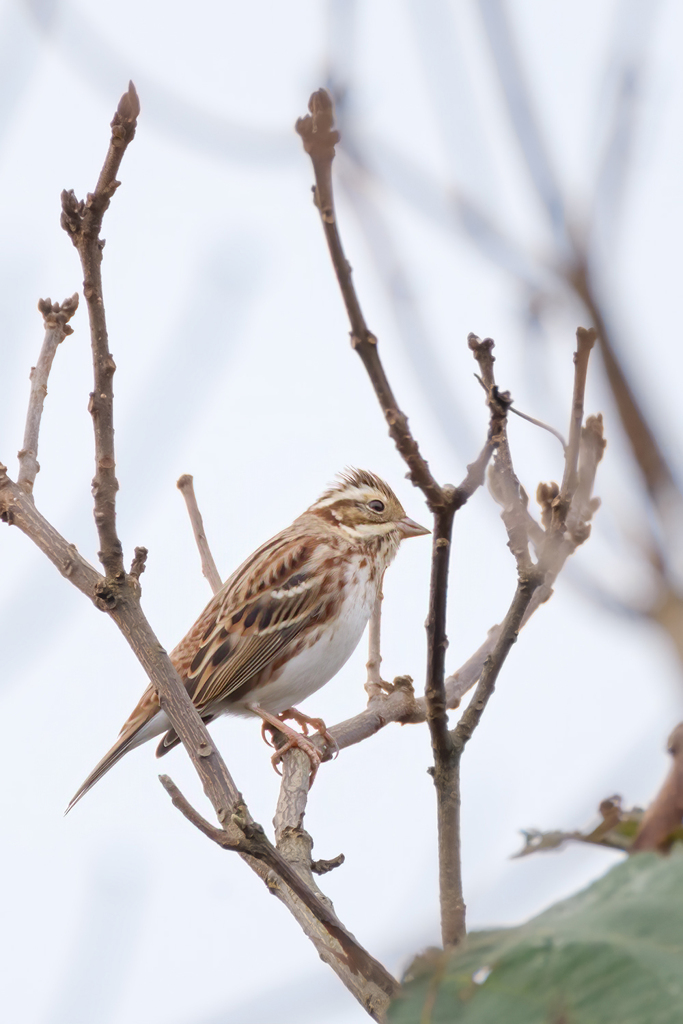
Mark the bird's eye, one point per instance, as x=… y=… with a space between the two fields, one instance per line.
x=376 y=506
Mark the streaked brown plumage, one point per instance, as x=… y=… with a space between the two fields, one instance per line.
x=286 y=621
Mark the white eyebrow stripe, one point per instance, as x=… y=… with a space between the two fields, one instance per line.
x=363 y=494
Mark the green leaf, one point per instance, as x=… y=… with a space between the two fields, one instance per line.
x=612 y=954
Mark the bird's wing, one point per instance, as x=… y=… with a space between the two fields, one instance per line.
x=282 y=589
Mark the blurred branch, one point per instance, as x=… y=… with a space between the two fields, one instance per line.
x=646 y=448
x=615 y=831
x=186 y=487
x=663 y=819
x=56 y=320
x=522 y=116
x=448 y=209
x=647 y=451
x=633 y=25
x=634 y=830
x=427 y=366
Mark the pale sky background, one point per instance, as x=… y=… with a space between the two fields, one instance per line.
x=234 y=365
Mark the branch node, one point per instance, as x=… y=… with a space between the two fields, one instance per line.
x=138 y=564
x=105 y=597
x=321 y=867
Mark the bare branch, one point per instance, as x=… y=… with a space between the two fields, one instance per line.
x=291 y=864
x=221 y=836
x=585 y=339
x=186 y=487
x=437 y=639
x=503 y=482
x=83 y=222
x=319 y=139
x=615 y=831
x=56 y=319
x=509 y=631
x=374 y=683
x=17 y=509
x=533 y=582
x=445 y=766
x=539 y=423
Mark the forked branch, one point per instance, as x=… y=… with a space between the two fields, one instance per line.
x=566 y=518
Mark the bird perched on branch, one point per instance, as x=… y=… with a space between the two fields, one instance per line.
x=285 y=622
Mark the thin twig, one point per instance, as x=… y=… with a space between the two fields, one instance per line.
x=539 y=423
x=509 y=632
x=503 y=482
x=56 y=319
x=209 y=570
x=319 y=139
x=585 y=339
x=83 y=222
x=374 y=683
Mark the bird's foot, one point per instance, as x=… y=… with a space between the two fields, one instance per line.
x=294 y=739
x=317 y=723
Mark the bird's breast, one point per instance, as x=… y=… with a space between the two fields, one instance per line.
x=320 y=652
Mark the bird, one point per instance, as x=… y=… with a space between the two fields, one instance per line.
x=285 y=622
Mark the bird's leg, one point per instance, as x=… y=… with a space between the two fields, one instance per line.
x=375 y=684
x=294 y=739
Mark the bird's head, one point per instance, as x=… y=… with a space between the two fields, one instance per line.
x=364 y=507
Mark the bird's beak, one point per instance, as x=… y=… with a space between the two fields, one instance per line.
x=409 y=528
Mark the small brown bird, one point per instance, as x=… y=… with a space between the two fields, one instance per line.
x=286 y=621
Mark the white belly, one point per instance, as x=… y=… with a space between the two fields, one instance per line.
x=317 y=664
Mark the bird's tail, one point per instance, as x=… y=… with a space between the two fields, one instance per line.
x=146 y=721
